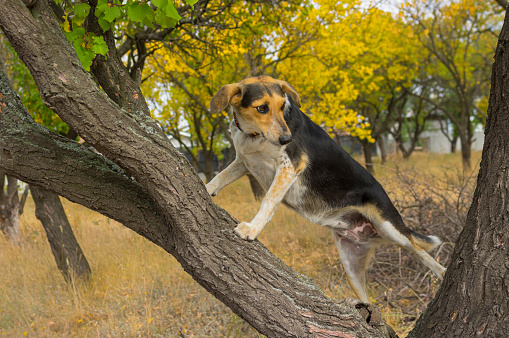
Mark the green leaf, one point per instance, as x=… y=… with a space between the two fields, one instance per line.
x=163 y=20
x=80 y=13
x=112 y=13
x=149 y=19
x=191 y=2
x=105 y=24
x=79 y=20
x=99 y=45
x=78 y=42
x=86 y=56
x=138 y=12
x=168 y=8
x=102 y=5
x=171 y=11
x=76 y=33
x=160 y=3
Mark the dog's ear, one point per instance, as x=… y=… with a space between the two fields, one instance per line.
x=289 y=90
x=230 y=93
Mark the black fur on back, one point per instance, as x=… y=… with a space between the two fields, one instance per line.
x=332 y=174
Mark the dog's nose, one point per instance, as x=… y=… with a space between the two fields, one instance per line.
x=285 y=139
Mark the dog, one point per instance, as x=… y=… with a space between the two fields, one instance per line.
x=298 y=164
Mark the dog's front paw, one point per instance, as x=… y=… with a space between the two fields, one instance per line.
x=246 y=231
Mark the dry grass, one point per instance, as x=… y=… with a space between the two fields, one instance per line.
x=137 y=289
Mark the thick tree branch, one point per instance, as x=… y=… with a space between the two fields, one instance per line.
x=40 y=157
x=113 y=77
x=244 y=275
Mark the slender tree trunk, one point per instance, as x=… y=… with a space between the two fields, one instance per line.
x=407 y=152
x=454 y=142
x=367 y=147
x=466 y=152
x=208 y=158
x=383 y=150
x=474 y=298
x=65 y=248
x=10 y=207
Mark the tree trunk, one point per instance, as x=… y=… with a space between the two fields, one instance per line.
x=473 y=299
x=65 y=248
x=383 y=150
x=208 y=158
x=367 y=148
x=466 y=152
x=158 y=195
x=10 y=207
x=454 y=142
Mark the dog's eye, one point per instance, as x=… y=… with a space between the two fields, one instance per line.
x=283 y=106
x=263 y=109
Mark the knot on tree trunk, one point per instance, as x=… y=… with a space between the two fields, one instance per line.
x=372 y=316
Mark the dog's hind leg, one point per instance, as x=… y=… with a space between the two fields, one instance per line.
x=355 y=257
x=391 y=234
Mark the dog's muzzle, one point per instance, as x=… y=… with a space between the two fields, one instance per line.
x=285 y=139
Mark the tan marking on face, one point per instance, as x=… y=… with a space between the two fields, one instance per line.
x=285 y=86
x=271 y=124
x=260 y=79
x=253 y=92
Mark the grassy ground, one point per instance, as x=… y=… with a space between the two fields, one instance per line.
x=137 y=289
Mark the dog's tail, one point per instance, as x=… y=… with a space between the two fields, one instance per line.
x=428 y=243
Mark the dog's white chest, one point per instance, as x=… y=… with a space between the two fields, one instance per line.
x=260 y=157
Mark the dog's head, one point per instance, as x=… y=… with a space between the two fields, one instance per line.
x=259 y=104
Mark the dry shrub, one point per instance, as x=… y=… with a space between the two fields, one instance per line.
x=431 y=203
x=136 y=288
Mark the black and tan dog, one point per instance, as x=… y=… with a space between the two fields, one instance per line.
x=297 y=163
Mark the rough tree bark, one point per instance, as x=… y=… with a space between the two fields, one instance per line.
x=65 y=248
x=474 y=297
x=244 y=275
x=11 y=207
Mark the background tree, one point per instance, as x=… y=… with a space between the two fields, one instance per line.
x=410 y=120
x=473 y=298
x=184 y=79
x=11 y=206
x=459 y=37
x=364 y=57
